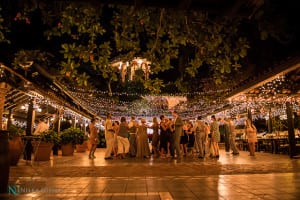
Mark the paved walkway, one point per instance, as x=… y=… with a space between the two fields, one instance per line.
x=266 y=176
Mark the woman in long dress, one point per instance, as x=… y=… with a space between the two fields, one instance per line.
x=191 y=138
x=163 y=144
x=215 y=136
x=143 y=150
x=169 y=132
x=251 y=136
x=93 y=138
x=155 y=137
x=184 y=140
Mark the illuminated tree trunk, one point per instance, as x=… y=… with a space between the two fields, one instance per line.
x=4 y=87
x=4 y=148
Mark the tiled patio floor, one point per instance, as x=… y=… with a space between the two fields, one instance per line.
x=266 y=176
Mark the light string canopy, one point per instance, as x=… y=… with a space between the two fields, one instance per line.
x=155 y=105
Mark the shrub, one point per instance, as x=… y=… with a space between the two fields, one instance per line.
x=72 y=135
x=15 y=131
x=50 y=136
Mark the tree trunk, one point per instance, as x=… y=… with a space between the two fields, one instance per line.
x=4 y=87
x=109 y=88
x=4 y=148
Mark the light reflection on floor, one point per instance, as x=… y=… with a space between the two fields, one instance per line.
x=267 y=176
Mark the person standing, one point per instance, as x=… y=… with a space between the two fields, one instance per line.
x=184 y=139
x=191 y=138
x=123 y=142
x=215 y=136
x=232 y=136
x=133 y=125
x=143 y=150
x=225 y=124
x=163 y=137
x=208 y=146
x=93 y=138
x=116 y=126
x=251 y=136
x=200 y=138
x=41 y=127
x=170 y=137
x=155 y=137
x=178 y=132
x=109 y=136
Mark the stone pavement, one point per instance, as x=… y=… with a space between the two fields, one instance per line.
x=266 y=176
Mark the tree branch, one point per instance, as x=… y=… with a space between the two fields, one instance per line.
x=158 y=30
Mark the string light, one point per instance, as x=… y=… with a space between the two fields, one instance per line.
x=96 y=92
x=100 y=103
x=2 y=73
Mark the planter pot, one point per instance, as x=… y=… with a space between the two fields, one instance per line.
x=67 y=149
x=42 y=150
x=4 y=161
x=15 y=150
x=81 y=147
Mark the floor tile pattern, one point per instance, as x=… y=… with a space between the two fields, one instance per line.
x=266 y=176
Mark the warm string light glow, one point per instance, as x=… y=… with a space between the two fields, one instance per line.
x=98 y=102
x=41 y=100
x=273 y=87
x=191 y=108
x=95 y=92
x=128 y=69
x=2 y=73
x=268 y=99
x=258 y=100
x=278 y=90
x=263 y=108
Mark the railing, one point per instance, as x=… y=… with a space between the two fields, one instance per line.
x=274 y=145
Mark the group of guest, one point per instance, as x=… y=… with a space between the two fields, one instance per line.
x=126 y=138
x=171 y=137
x=199 y=138
x=131 y=138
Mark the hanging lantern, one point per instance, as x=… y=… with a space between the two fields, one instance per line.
x=128 y=69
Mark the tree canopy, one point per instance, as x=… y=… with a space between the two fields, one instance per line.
x=189 y=50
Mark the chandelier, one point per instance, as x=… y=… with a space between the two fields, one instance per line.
x=128 y=69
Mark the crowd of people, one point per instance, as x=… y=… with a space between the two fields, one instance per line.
x=171 y=137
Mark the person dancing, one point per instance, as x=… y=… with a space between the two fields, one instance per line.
x=215 y=137
x=251 y=136
x=93 y=138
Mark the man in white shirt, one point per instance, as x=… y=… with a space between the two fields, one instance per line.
x=41 y=127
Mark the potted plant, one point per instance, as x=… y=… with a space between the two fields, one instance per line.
x=42 y=145
x=102 y=142
x=81 y=143
x=69 y=138
x=15 y=144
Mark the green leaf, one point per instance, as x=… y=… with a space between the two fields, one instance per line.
x=263 y=35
